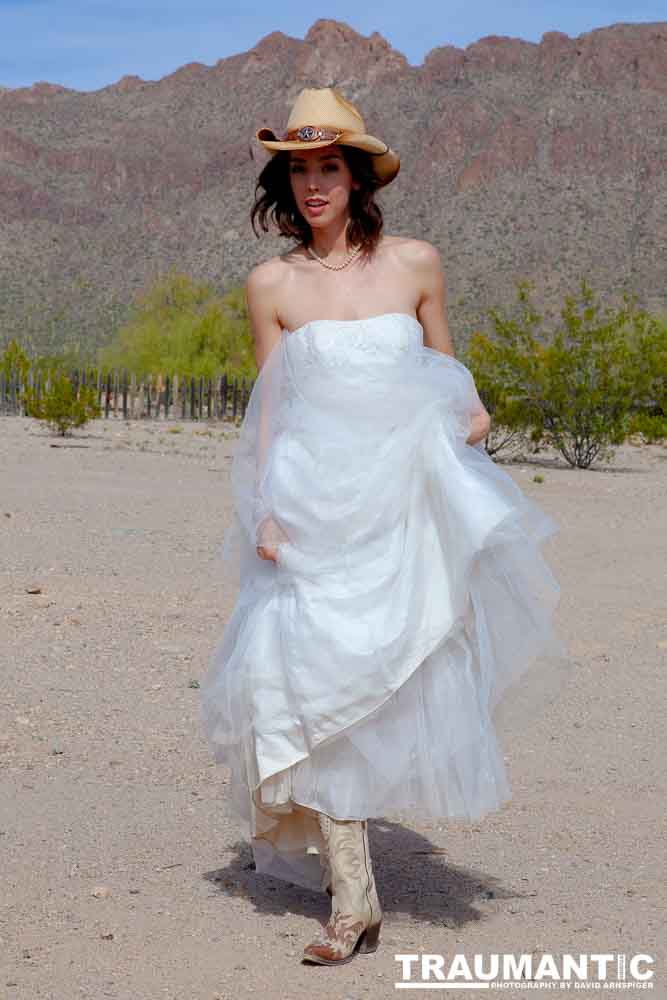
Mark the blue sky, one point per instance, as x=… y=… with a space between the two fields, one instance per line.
x=88 y=44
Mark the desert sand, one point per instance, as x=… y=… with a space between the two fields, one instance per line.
x=124 y=873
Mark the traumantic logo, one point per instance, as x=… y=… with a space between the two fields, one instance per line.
x=612 y=971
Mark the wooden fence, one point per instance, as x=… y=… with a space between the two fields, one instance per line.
x=151 y=397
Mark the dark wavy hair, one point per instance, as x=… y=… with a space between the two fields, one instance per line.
x=277 y=201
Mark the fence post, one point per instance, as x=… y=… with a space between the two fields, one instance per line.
x=223 y=392
x=133 y=394
x=125 y=393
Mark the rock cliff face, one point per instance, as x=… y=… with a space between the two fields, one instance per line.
x=519 y=160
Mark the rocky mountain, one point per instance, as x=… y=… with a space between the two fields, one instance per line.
x=519 y=160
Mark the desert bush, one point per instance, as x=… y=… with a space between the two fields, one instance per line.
x=60 y=405
x=648 y=338
x=576 y=387
x=502 y=366
x=651 y=426
x=14 y=360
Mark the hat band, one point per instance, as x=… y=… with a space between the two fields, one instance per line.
x=311 y=133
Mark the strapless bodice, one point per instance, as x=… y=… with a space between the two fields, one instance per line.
x=328 y=342
x=349 y=323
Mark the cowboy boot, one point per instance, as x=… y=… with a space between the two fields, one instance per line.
x=356 y=914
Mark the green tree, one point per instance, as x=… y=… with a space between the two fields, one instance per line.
x=182 y=326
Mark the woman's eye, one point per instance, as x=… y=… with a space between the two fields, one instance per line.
x=327 y=166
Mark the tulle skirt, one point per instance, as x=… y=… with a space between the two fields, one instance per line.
x=372 y=669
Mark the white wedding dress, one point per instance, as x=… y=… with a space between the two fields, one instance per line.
x=362 y=674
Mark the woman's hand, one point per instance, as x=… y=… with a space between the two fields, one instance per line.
x=479 y=427
x=270 y=534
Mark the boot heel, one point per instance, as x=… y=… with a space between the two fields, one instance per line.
x=370 y=938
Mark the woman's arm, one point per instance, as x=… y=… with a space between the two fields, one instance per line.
x=432 y=308
x=266 y=332
x=432 y=314
x=265 y=328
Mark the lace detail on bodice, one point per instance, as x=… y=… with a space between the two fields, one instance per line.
x=326 y=344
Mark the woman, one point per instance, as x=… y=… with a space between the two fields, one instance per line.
x=392 y=587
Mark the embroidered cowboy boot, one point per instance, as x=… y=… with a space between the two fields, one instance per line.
x=356 y=914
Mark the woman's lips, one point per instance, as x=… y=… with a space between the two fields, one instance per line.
x=316 y=209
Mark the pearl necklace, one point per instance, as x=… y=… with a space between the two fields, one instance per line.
x=335 y=267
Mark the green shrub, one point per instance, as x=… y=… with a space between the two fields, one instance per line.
x=14 y=359
x=648 y=338
x=59 y=404
x=502 y=366
x=652 y=427
x=577 y=387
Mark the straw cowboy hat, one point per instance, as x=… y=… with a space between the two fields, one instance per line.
x=322 y=117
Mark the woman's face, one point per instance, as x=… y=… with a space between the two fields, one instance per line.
x=321 y=175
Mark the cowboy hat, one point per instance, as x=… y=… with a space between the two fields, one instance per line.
x=322 y=117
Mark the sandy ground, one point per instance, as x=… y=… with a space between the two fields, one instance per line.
x=124 y=871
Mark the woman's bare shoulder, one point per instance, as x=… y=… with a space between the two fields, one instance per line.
x=417 y=257
x=412 y=249
x=271 y=272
